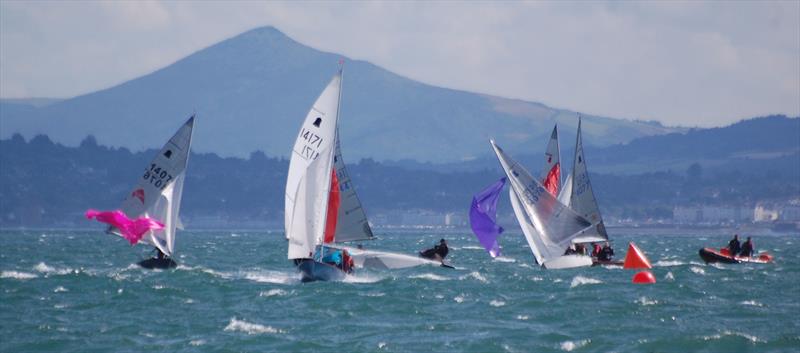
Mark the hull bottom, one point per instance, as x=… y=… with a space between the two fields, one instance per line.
x=153 y=263
x=318 y=271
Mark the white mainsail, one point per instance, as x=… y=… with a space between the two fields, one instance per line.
x=550 y=224
x=158 y=193
x=551 y=173
x=566 y=192
x=351 y=223
x=582 y=199
x=310 y=169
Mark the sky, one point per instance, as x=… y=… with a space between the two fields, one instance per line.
x=680 y=63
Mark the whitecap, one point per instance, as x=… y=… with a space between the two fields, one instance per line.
x=751 y=302
x=275 y=277
x=668 y=263
x=497 y=303
x=523 y=317
x=645 y=302
x=569 y=346
x=197 y=342
x=381 y=345
x=525 y=265
x=558 y=280
x=17 y=275
x=476 y=275
x=537 y=279
x=429 y=276
x=273 y=292
x=376 y=294
x=504 y=259
x=698 y=270
x=580 y=280
x=748 y=337
x=362 y=278
x=159 y=286
x=60 y=289
x=249 y=328
x=612 y=267
x=669 y=276
x=472 y=247
x=717 y=266
x=44 y=268
x=459 y=298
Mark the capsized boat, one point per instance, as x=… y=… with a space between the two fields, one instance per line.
x=710 y=255
x=549 y=225
x=157 y=195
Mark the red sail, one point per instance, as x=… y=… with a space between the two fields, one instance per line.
x=333 y=208
x=551 y=181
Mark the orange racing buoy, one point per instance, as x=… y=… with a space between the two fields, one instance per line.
x=635 y=259
x=644 y=277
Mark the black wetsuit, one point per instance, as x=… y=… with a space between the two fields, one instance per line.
x=605 y=254
x=442 y=250
x=733 y=247
x=747 y=249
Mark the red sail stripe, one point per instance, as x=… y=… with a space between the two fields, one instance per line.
x=551 y=181
x=333 y=208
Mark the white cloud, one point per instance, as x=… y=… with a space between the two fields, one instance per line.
x=690 y=63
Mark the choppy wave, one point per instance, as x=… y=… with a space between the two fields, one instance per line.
x=18 y=275
x=504 y=259
x=643 y=301
x=669 y=276
x=250 y=328
x=698 y=270
x=497 y=303
x=276 y=277
x=668 y=263
x=523 y=317
x=476 y=275
x=569 y=346
x=197 y=343
x=273 y=292
x=472 y=247
x=60 y=289
x=429 y=276
x=748 y=337
x=459 y=298
x=48 y=270
x=751 y=302
x=580 y=280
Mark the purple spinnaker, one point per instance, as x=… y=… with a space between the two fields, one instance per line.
x=483 y=217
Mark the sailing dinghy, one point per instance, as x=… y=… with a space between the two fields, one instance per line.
x=549 y=225
x=157 y=196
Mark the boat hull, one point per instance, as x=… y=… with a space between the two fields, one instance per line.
x=710 y=255
x=154 y=263
x=317 y=271
x=596 y=262
x=568 y=261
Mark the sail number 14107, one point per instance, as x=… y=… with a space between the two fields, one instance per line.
x=157 y=176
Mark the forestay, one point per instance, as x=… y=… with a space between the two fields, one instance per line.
x=552 y=224
x=309 y=179
x=158 y=192
x=582 y=199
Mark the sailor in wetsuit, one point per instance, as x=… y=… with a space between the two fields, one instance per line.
x=606 y=253
x=733 y=245
x=747 y=248
x=441 y=249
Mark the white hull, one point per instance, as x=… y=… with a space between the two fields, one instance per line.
x=568 y=261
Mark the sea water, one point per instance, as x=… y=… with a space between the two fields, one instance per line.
x=81 y=291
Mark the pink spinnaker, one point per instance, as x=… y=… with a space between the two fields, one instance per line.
x=131 y=229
